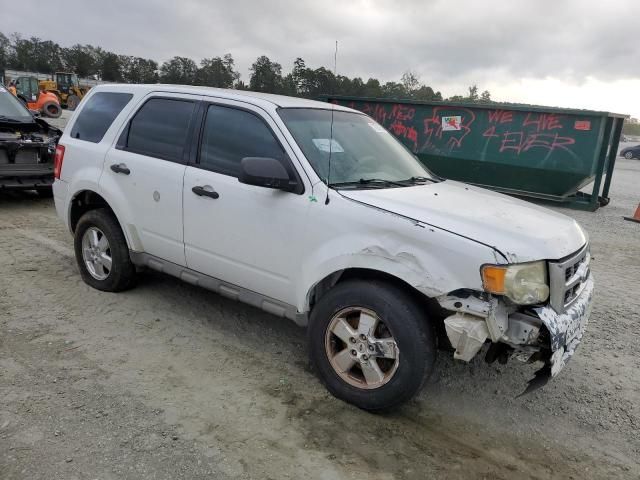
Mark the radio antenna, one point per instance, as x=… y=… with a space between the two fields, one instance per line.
x=335 y=78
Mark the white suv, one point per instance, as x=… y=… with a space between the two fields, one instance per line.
x=314 y=212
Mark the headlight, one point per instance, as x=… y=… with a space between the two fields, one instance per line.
x=524 y=283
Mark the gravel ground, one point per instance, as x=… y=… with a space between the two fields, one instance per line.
x=169 y=381
x=62 y=121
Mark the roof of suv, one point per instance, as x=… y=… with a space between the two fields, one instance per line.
x=256 y=98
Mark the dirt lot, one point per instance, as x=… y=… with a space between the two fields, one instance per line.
x=168 y=381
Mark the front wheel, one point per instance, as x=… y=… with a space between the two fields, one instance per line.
x=628 y=155
x=371 y=344
x=102 y=253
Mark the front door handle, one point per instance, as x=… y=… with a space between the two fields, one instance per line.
x=120 y=168
x=202 y=192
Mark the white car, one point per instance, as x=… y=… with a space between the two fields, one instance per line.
x=314 y=212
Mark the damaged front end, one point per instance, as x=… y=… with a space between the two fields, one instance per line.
x=548 y=333
x=27 y=150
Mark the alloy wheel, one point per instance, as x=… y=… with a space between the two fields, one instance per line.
x=361 y=348
x=96 y=253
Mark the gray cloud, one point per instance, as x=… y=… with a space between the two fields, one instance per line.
x=445 y=42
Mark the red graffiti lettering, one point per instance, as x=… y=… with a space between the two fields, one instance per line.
x=500 y=116
x=520 y=142
x=542 y=121
x=402 y=112
x=490 y=132
x=511 y=141
x=410 y=133
x=524 y=131
x=433 y=127
x=563 y=143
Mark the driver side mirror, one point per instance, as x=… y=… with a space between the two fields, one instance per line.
x=266 y=172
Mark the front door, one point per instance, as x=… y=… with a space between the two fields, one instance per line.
x=242 y=234
x=147 y=168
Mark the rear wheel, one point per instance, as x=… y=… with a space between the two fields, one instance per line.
x=102 y=253
x=72 y=102
x=52 y=110
x=371 y=344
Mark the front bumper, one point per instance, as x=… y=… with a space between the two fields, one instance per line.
x=518 y=333
x=566 y=329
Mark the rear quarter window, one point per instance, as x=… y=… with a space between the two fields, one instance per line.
x=98 y=114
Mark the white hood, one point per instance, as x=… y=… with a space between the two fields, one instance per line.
x=520 y=230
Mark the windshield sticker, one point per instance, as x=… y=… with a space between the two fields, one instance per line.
x=326 y=145
x=451 y=123
x=376 y=127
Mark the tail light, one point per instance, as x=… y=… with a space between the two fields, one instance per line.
x=57 y=161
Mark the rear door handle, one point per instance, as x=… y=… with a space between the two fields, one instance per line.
x=202 y=192
x=120 y=168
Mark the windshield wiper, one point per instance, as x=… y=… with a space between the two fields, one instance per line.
x=369 y=181
x=418 y=180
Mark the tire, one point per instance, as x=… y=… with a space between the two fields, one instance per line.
x=72 y=102
x=405 y=322
x=121 y=273
x=628 y=155
x=51 y=110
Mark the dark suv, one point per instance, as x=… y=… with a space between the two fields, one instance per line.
x=27 y=147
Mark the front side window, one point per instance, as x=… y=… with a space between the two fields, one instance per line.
x=160 y=128
x=361 y=150
x=230 y=135
x=98 y=114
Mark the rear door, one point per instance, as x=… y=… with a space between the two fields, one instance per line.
x=147 y=167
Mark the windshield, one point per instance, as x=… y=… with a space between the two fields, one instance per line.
x=12 y=109
x=362 y=152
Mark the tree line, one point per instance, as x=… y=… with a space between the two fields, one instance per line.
x=45 y=56
x=631 y=126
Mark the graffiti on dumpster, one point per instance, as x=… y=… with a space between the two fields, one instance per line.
x=445 y=129
x=454 y=138
x=537 y=130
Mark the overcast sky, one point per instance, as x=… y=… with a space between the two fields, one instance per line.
x=574 y=53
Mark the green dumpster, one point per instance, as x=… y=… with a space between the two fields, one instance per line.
x=541 y=152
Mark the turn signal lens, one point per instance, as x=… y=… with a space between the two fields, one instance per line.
x=493 y=278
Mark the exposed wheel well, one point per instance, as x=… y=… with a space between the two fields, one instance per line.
x=82 y=203
x=430 y=304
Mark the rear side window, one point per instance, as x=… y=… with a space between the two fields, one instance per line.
x=230 y=135
x=160 y=129
x=98 y=114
